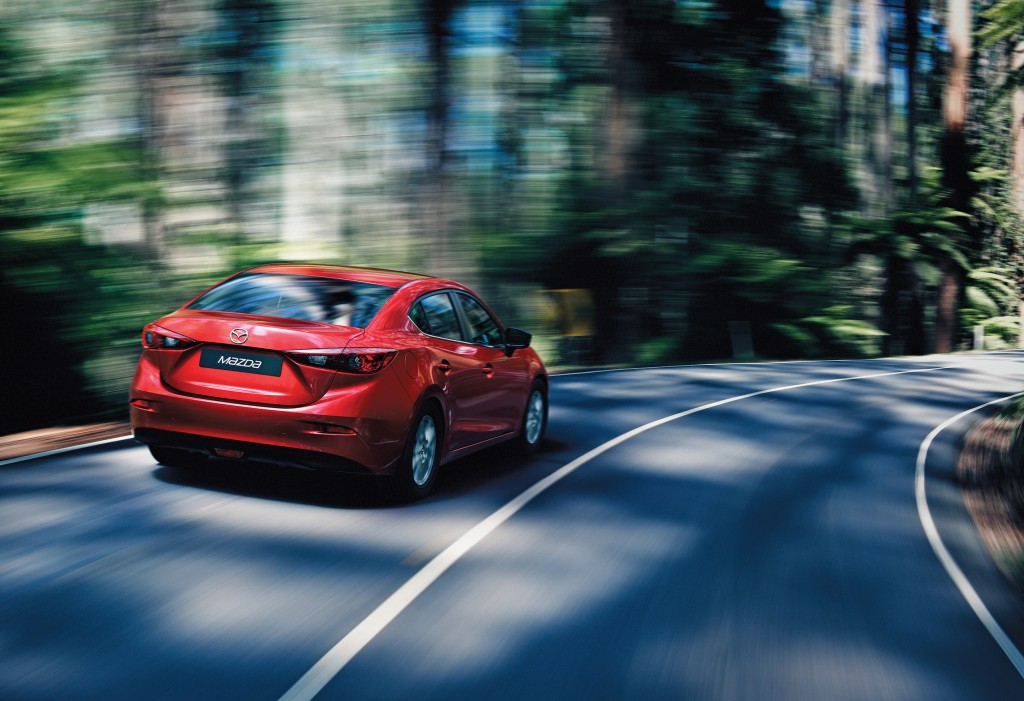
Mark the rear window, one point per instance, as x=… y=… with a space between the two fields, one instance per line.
x=305 y=297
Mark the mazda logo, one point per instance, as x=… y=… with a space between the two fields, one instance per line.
x=239 y=336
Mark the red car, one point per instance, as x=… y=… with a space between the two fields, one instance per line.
x=337 y=368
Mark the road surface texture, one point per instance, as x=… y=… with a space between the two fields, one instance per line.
x=765 y=543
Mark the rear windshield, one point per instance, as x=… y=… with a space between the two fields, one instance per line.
x=305 y=297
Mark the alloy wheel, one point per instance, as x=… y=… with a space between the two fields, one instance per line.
x=424 y=451
x=534 y=417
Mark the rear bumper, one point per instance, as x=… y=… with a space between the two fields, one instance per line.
x=377 y=414
x=258 y=452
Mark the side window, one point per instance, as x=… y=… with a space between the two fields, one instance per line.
x=483 y=329
x=419 y=318
x=439 y=316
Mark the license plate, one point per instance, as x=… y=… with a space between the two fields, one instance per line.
x=241 y=362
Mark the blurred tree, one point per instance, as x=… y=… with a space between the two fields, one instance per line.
x=956 y=164
x=63 y=296
x=616 y=151
x=894 y=236
x=513 y=114
x=246 y=53
x=689 y=164
x=989 y=293
x=728 y=152
x=998 y=104
x=1003 y=26
x=840 y=31
x=912 y=35
x=871 y=118
x=438 y=192
x=913 y=244
x=154 y=65
x=34 y=366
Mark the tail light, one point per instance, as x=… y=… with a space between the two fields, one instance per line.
x=154 y=336
x=356 y=361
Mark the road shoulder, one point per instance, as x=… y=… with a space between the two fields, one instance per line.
x=17 y=445
x=945 y=493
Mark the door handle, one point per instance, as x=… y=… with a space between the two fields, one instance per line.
x=488 y=370
x=444 y=366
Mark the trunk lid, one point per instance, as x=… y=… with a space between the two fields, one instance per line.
x=240 y=357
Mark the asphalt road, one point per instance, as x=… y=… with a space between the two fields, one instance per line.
x=769 y=547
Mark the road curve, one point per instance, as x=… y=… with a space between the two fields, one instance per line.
x=767 y=545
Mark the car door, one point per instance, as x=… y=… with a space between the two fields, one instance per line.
x=457 y=368
x=471 y=375
x=500 y=387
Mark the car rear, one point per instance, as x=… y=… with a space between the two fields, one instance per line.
x=274 y=366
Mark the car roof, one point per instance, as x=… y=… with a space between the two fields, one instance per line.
x=379 y=276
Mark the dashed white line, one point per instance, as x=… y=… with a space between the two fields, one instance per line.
x=328 y=666
x=952 y=569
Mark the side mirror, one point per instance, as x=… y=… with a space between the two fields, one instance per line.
x=516 y=338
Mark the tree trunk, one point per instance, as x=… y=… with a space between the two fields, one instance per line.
x=1017 y=130
x=955 y=163
x=618 y=127
x=616 y=169
x=871 y=123
x=946 y=306
x=841 y=66
x=954 y=108
x=510 y=134
x=868 y=58
x=892 y=344
x=818 y=39
x=437 y=206
x=913 y=38
x=153 y=65
x=888 y=186
x=250 y=25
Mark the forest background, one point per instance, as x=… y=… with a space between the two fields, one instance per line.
x=635 y=181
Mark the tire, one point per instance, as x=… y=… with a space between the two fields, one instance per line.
x=535 y=421
x=417 y=470
x=176 y=457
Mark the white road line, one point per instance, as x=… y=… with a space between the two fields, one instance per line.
x=952 y=569
x=328 y=666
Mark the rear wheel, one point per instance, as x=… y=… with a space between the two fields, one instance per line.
x=535 y=420
x=417 y=470
x=176 y=457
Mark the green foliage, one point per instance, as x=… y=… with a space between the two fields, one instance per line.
x=991 y=301
x=728 y=154
x=996 y=270
x=994 y=287
x=1003 y=21
x=77 y=307
x=679 y=160
x=784 y=300
x=843 y=334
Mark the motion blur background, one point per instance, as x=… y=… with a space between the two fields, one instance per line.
x=634 y=181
